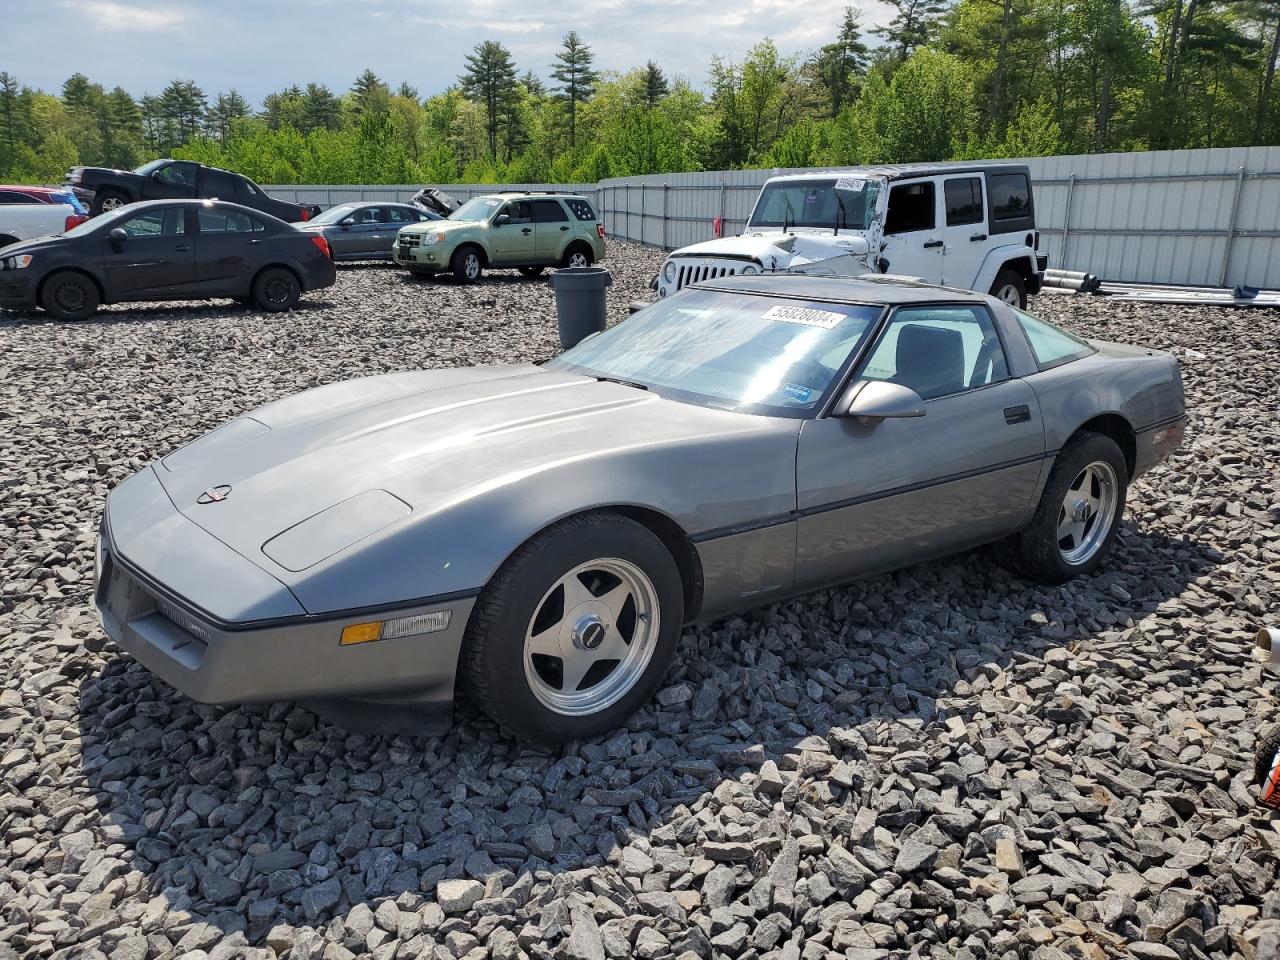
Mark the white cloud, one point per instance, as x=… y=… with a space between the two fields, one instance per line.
x=124 y=16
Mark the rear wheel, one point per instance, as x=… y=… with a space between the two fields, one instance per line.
x=276 y=289
x=104 y=201
x=1076 y=521
x=466 y=264
x=68 y=295
x=575 y=631
x=577 y=256
x=1010 y=288
x=530 y=272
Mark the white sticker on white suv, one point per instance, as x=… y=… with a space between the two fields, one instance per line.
x=806 y=315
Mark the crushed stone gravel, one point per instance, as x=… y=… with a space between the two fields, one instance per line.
x=943 y=762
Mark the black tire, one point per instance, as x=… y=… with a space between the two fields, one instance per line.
x=467 y=263
x=276 y=289
x=1008 y=284
x=493 y=652
x=575 y=250
x=1268 y=746
x=105 y=201
x=1036 y=550
x=68 y=295
x=530 y=272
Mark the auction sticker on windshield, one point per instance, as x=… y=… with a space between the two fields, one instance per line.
x=852 y=184
x=806 y=315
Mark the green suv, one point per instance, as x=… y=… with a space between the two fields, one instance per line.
x=527 y=231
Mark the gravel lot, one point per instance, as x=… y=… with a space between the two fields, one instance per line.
x=945 y=762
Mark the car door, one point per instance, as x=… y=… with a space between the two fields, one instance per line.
x=964 y=230
x=172 y=181
x=878 y=495
x=551 y=229
x=156 y=256
x=513 y=240
x=396 y=217
x=912 y=239
x=229 y=249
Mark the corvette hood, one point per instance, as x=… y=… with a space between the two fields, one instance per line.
x=344 y=461
x=779 y=250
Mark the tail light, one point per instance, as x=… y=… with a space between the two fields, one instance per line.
x=600 y=230
x=306 y=213
x=74 y=220
x=322 y=245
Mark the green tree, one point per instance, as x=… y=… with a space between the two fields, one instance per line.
x=655 y=84
x=490 y=80
x=370 y=93
x=842 y=63
x=572 y=70
x=228 y=108
x=320 y=108
x=913 y=25
x=182 y=106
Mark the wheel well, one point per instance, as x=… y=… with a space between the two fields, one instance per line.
x=679 y=546
x=484 y=257
x=102 y=294
x=1118 y=429
x=277 y=266
x=579 y=244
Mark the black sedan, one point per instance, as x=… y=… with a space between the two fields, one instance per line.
x=365 y=231
x=166 y=250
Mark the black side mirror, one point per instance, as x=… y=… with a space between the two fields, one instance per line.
x=155 y=175
x=118 y=235
x=501 y=220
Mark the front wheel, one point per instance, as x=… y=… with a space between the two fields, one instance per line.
x=575 y=631
x=276 y=289
x=1010 y=288
x=104 y=201
x=466 y=264
x=69 y=296
x=1076 y=521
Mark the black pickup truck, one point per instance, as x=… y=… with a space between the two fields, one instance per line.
x=179 y=180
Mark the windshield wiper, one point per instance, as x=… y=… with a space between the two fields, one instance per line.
x=625 y=383
x=841 y=216
x=787 y=201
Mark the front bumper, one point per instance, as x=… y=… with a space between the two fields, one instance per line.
x=298 y=657
x=17 y=292
x=419 y=257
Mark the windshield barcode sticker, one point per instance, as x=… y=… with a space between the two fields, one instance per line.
x=809 y=317
x=852 y=184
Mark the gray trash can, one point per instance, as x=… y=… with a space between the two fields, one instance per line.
x=580 y=308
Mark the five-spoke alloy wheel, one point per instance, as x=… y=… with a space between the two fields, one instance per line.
x=575 y=631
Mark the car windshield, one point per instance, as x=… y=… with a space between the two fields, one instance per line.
x=147 y=168
x=335 y=214
x=477 y=208
x=847 y=202
x=743 y=352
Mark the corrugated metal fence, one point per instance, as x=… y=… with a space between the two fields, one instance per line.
x=1178 y=216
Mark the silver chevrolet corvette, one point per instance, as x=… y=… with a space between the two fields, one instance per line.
x=540 y=533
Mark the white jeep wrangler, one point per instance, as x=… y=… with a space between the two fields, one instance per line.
x=970 y=226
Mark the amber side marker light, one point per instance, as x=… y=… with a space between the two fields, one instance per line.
x=400 y=627
x=361 y=633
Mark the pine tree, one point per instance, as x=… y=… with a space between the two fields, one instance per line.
x=320 y=108
x=15 y=124
x=913 y=24
x=655 y=84
x=183 y=106
x=572 y=70
x=370 y=92
x=490 y=80
x=227 y=108
x=533 y=83
x=840 y=64
x=407 y=91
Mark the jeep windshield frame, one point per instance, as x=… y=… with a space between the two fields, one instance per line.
x=817 y=203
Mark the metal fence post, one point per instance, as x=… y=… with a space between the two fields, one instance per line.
x=644 y=189
x=1066 y=218
x=1231 y=226
x=664 y=216
x=722 y=193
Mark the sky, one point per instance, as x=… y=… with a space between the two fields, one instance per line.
x=259 y=46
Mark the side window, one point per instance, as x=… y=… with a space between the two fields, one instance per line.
x=518 y=211
x=218 y=185
x=368 y=215
x=1010 y=196
x=8 y=196
x=400 y=215
x=911 y=207
x=214 y=220
x=938 y=351
x=157 y=222
x=963 y=196
x=1052 y=346
x=179 y=173
x=549 y=211
x=581 y=209
x=245 y=190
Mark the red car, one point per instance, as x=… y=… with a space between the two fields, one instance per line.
x=25 y=194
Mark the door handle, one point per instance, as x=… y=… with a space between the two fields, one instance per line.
x=1019 y=414
x=978 y=236
x=526 y=231
x=252 y=242
x=183 y=247
x=564 y=228
x=929 y=244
